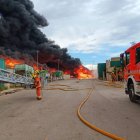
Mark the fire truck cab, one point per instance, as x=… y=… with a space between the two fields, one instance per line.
x=130 y=61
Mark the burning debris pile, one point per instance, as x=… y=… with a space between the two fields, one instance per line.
x=20 y=38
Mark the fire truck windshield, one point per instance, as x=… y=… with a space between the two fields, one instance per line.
x=137 y=55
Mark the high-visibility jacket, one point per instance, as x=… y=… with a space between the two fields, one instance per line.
x=37 y=82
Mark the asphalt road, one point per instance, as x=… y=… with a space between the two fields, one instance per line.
x=22 y=117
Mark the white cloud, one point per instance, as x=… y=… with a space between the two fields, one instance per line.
x=92 y=26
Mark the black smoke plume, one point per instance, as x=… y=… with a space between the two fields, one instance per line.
x=21 y=38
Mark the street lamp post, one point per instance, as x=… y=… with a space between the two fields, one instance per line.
x=58 y=64
x=37 y=58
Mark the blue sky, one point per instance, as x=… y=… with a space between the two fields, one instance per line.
x=93 y=31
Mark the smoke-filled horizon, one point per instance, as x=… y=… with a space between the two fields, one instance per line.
x=21 y=38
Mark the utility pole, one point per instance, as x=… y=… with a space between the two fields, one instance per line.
x=37 y=58
x=58 y=64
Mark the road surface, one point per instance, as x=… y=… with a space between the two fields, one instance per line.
x=22 y=117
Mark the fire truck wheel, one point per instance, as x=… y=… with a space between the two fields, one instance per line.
x=132 y=95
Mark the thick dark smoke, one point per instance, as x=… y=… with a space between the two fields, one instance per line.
x=20 y=36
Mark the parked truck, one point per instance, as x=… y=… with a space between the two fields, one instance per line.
x=130 y=61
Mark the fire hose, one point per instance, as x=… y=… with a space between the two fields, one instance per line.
x=112 y=136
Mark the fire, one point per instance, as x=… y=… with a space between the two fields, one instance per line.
x=10 y=62
x=37 y=67
x=67 y=72
x=83 y=73
x=51 y=70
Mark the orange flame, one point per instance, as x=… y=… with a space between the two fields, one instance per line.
x=37 y=67
x=10 y=62
x=51 y=70
x=83 y=73
x=67 y=72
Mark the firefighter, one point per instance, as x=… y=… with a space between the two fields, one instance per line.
x=113 y=76
x=38 y=85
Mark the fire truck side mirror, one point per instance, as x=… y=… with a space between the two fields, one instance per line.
x=122 y=59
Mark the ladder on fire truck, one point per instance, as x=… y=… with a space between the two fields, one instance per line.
x=8 y=77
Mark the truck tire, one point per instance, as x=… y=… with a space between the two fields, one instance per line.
x=132 y=95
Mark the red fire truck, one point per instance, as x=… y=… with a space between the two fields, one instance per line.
x=130 y=61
